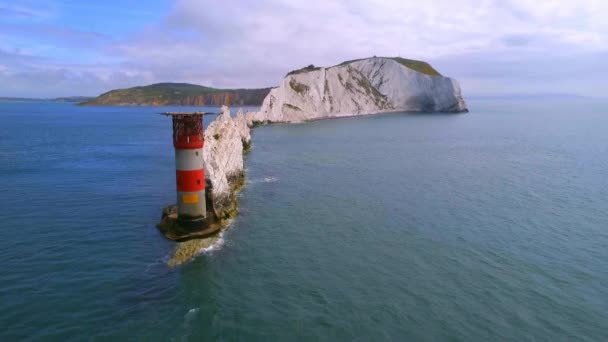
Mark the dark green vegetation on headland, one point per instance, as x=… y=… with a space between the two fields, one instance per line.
x=303 y=70
x=161 y=94
x=413 y=64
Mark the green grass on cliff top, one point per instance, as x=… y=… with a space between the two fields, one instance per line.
x=419 y=66
x=413 y=64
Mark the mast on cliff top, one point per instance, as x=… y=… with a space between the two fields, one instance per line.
x=188 y=141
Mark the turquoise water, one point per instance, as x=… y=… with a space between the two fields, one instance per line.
x=491 y=225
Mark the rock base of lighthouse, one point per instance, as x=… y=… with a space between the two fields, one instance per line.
x=174 y=229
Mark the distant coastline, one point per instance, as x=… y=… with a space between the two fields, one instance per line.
x=178 y=94
x=74 y=99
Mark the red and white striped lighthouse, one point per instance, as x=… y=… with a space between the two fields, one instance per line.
x=188 y=141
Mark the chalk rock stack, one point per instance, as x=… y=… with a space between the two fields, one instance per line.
x=225 y=139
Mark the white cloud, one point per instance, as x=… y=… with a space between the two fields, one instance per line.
x=276 y=36
x=233 y=43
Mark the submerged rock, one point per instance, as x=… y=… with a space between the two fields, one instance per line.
x=184 y=251
x=366 y=86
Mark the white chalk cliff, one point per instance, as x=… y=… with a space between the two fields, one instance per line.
x=366 y=86
x=225 y=139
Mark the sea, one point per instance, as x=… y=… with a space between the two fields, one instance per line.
x=485 y=226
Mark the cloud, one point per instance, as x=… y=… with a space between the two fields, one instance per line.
x=61 y=81
x=493 y=72
x=517 y=39
x=12 y=11
x=52 y=33
x=230 y=43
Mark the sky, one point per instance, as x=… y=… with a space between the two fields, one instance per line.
x=492 y=47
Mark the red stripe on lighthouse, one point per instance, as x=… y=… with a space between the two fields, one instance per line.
x=190 y=181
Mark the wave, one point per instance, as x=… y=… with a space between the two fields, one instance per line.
x=215 y=246
x=191 y=314
x=268 y=179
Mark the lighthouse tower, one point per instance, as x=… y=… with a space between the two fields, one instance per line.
x=188 y=141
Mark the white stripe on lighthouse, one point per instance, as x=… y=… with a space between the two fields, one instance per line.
x=188 y=160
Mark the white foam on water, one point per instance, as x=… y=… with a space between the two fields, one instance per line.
x=267 y=179
x=219 y=243
x=184 y=333
x=215 y=246
x=191 y=313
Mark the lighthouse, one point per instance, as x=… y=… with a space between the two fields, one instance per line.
x=188 y=141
